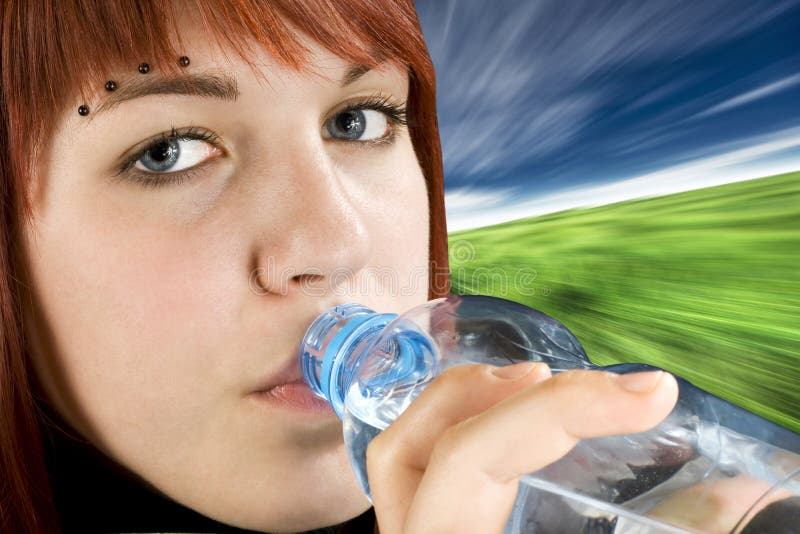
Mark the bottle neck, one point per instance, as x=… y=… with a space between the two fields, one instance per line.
x=333 y=346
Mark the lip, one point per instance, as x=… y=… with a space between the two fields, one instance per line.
x=288 y=389
x=288 y=374
x=296 y=396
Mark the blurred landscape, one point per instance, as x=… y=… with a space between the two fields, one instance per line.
x=703 y=283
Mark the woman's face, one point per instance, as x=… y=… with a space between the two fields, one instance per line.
x=156 y=312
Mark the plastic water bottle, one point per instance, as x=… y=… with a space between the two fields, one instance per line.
x=370 y=366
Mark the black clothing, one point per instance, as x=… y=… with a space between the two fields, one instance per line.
x=93 y=494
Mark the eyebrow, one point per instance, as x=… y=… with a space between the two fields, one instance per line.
x=217 y=86
x=353 y=73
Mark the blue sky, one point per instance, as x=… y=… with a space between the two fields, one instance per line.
x=546 y=105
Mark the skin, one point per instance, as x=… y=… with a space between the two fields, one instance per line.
x=148 y=336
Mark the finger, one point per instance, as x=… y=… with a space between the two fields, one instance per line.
x=397 y=457
x=473 y=469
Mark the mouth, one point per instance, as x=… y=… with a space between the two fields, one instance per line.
x=288 y=390
x=295 y=396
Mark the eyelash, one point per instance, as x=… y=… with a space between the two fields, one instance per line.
x=394 y=110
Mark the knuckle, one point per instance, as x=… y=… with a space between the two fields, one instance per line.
x=450 y=445
x=379 y=451
x=589 y=388
x=574 y=379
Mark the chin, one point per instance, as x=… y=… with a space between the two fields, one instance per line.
x=322 y=493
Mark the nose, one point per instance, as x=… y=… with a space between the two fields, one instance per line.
x=315 y=238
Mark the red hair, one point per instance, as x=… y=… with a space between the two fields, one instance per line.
x=51 y=53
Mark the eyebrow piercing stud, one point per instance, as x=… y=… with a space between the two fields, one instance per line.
x=111 y=85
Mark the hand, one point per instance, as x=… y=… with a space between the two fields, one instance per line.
x=451 y=461
x=716 y=506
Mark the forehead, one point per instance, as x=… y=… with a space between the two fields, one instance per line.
x=208 y=55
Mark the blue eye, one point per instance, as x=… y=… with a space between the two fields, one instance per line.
x=372 y=120
x=359 y=125
x=173 y=155
x=171 y=158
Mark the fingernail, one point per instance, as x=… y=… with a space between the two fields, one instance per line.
x=518 y=370
x=640 y=382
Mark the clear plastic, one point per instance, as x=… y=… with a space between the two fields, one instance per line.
x=673 y=478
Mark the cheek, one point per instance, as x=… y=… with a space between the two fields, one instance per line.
x=127 y=306
x=399 y=219
x=402 y=226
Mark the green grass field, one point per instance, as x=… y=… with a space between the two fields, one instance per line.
x=703 y=283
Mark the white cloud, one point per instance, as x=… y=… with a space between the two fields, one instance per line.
x=736 y=165
x=750 y=96
x=467 y=198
